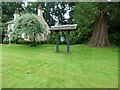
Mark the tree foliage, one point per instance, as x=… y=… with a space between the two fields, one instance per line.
x=52 y=9
x=2 y=32
x=85 y=15
x=29 y=24
x=8 y=9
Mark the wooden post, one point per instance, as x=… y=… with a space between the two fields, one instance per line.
x=34 y=35
x=9 y=36
x=68 y=42
x=57 y=41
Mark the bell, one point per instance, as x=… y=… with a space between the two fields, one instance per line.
x=62 y=38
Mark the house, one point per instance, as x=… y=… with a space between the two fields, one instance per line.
x=39 y=37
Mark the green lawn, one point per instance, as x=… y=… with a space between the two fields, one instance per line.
x=41 y=67
x=0 y=67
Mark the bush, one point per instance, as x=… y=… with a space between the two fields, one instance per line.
x=115 y=39
x=76 y=37
x=6 y=41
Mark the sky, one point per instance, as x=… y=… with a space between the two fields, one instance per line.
x=29 y=1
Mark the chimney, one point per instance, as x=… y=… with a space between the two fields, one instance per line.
x=40 y=13
x=16 y=14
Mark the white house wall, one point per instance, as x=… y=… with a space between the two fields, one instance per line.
x=23 y=35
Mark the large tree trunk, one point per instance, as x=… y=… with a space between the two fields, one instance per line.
x=100 y=33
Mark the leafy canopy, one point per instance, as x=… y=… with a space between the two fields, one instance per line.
x=29 y=24
x=84 y=15
x=0 y=29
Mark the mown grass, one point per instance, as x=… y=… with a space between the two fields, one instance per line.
x=41 y=67
x=0 y=67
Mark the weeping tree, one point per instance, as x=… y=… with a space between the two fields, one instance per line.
x=29 y=24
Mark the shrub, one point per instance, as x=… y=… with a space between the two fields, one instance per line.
x=5 y=41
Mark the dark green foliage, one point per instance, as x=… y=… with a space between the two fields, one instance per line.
x=8 y=9
x=5 y=41
x=52 y=39
x=2 y=32
x=85 y=15
x=115 y=38
x=114 y=23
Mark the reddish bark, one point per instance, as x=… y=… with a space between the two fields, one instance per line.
x=100 y=33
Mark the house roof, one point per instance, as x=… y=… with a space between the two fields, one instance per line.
x=11 y=22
